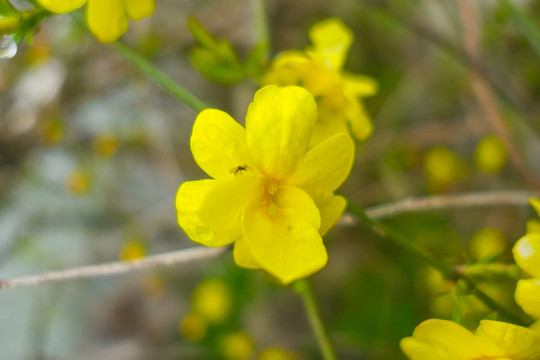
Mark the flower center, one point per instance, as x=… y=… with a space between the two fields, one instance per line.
x=270 y=186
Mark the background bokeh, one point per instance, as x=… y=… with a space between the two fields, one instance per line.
x=92 y=153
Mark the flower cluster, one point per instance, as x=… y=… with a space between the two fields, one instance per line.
x=269 y=194
x=319 y=69
x=436 y=339
x=527 y=255
x=107 y=19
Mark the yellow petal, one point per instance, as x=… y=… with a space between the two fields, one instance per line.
x=528 y=296
x=209 y=210
x=331 y=39
x=286 y=69
x=419 y=350
x=330 y=206
x=447 y=339
x=61 y=6
x=279 y=123
x=138 y=9
x=359 y=85
x=293 y=198
x=527 y=254
x=218 y=144
x=106 y=19
x=242 y=255
x=359 y=119
x=514 y=342
x=284 y=244
x=325 y=166
x=535 y=203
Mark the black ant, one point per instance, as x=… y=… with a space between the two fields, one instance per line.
x=238 y=169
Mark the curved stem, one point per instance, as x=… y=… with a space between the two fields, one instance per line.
x=160 y=77
x=303 y=288
x=389 y=233
x=448 y=271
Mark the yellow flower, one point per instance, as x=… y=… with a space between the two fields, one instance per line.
x=237 y=346
x=132 y=250
x=491 y=155
x=443 y=168
x=107 y=19
x=527 y=255
x=193 y=327
x=276 y=354
x=319 y=70
x=77 y=182
x=269 y=195
x=212 y=300
x=436 y=339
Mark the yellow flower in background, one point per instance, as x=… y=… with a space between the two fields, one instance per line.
x=443 y=168
x=527 y=255
x=107 y=19
x=105 y=144
x=436 y=339
x=212 y=300
x=237 y=346
x=491 y=155
x=132 y=250
x=276 y=354
x=319 y=69
x=269 y=195
x=193 y=327
x=487 y=242
x=77 y=182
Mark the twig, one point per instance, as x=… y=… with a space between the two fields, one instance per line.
x=486 y=98
x=439 y=202
x=516 y=198
x=113 y=268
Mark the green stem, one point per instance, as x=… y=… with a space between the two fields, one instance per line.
x=528 y=28
x=508 y=314
x=387 y=232
x=160 y=77
x=303 y=288
x=261 y=25
x=448 y=271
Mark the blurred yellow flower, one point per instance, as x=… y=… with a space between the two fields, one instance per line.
x=491 y=155
x=443 y=168
x=237 y=346
x=527 y=255
x=107 y=19
x=52 y=132
x=77 y=182
x=276 y=354
x=105 y=145
x=319 y=70
x=132 y=250
x=436 y=339
x=269 y=195
x=487 y=242
x=192 y=327
x=212 y=300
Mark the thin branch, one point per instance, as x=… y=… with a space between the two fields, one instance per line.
x=440 y=202
x=486 y=97
x=183 y=256
x=515 y=198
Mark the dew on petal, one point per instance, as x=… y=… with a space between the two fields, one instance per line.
x=8 y=47
x=525 y=249
x=204 y=233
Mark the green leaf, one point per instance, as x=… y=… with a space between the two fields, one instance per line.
x=6 y=10
x=215 y=58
